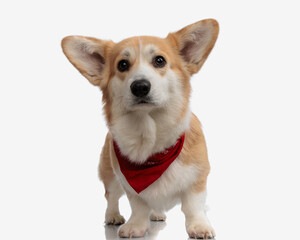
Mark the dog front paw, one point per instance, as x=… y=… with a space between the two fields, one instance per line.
x=158 y=216
x=114 y=219
x=200 y=230
x=133 y=230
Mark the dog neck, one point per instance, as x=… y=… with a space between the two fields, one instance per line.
x=140 y=176
x=142 y=134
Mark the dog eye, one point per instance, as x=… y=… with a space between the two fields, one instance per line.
x=123 y=65
x=159 y=62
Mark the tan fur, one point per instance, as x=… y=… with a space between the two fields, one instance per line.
x=194 y=153
x=105 y=167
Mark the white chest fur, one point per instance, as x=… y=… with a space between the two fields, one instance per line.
x=140 y=135
x=135 y=134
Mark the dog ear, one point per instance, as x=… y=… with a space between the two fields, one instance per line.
x=88 y=55
x=195 y=42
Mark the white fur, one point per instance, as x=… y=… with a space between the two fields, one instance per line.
x=112 y=214
x=193 y=207
x=138 y=223
x=135 y=134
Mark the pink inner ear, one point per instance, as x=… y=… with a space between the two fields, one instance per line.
x=187 y=50
x=98 y=61
x=91 y=61
x=193 y=46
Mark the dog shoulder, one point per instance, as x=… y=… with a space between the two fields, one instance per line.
x=194 y=152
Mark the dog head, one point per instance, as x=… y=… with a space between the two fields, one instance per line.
x=143 y=73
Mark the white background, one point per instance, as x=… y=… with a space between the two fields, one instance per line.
x=52 y=128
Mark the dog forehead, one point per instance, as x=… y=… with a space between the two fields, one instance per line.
x=153 y=44
x=138 y=46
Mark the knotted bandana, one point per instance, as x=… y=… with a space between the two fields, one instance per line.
x=141 y=176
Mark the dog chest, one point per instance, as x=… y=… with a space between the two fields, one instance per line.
x=165 y=192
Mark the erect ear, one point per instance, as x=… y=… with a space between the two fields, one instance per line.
x=88 y=55
x=195 y=42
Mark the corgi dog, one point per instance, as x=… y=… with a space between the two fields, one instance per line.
x=154 y=151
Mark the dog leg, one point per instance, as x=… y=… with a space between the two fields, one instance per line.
x=193 y=207
x=157 y=216
x=138 y=223
x=113 y=194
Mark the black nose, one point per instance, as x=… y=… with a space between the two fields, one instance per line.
x=140 y=88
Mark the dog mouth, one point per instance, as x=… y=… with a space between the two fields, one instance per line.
x=143 y=101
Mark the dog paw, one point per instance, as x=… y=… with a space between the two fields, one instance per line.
x=133 y=230
x=155 y=216
x=114 y=219
x=200 y=231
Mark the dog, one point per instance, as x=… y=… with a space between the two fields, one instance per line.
x=155 y=150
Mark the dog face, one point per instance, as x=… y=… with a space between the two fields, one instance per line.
x=143 y=73
x=146 y=76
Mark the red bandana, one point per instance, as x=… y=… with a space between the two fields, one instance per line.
x=140 y=176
